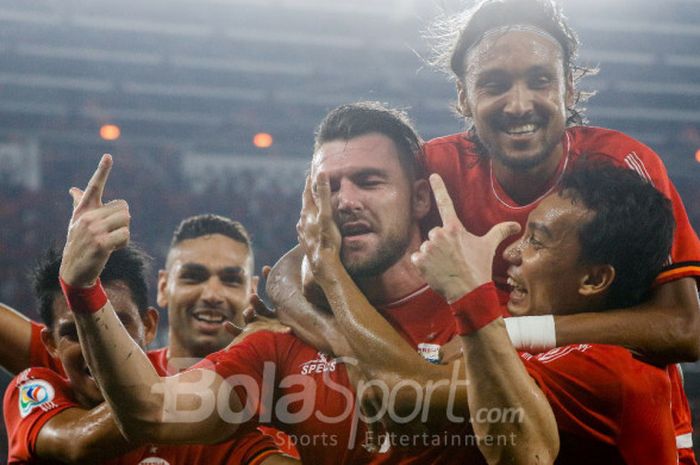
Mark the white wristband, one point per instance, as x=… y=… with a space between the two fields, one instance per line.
x=533 y=334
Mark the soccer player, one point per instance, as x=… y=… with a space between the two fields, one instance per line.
x=272 y=377
x=51 y=416
x=609 y=406
x=514 y=65
x=207 y=280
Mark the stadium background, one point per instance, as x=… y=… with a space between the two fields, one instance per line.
x=190 y=82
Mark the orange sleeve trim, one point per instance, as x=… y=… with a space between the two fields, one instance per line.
x=678 y=273
x=260 y=458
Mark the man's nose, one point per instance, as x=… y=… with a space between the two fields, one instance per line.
x=513 y=253
x=519 y=100
x=347 y=197
x=213 y=291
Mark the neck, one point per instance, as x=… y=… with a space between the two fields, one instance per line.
x=526 y=185
x=399 y=280
x=175 y=347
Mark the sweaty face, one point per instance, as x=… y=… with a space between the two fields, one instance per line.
x=65 y=345
x=207 y=281
x=372 y=201
x=545 y=272
x=516 y=94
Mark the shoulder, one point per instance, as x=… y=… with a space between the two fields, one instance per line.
x=250 y=354
x=603 y=371
x=32 y=398
x=615 y=145
x=453 y=144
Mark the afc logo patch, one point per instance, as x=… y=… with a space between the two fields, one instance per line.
x=35 y=393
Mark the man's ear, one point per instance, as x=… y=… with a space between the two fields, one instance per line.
x=570 y=96
x=150 y=325
x=597 y=281
x=47 y=339
x=422 y=198
x=462 y=103
x=162 y=298
x=254 y=281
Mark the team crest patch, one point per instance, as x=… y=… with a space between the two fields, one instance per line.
x=430 y=352
x=154 y=461
x=35 y=393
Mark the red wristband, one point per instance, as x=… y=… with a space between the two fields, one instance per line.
x=476 y=309
x=84 y=299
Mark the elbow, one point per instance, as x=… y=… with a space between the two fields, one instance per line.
x=684 y=334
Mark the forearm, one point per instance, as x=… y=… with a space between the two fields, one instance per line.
x=80 y=436
x=284 y=287
x=16 y=333
x=376 y=344
x=173 y=410
x=525 y=431
x=121 y=368
x=665 y=329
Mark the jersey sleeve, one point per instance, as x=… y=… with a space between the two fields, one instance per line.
x=602 y=393
x=38 y=355
x=250 y=368
x=253 y=448
x=32 y=398
x=684 y=260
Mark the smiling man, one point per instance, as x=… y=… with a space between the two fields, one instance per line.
x=207 y=280
x=59 y=414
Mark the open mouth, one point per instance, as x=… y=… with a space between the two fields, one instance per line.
x=355 y=228
x=212 y=317
x=518 y=290
x=522 y=130
x=87 y=372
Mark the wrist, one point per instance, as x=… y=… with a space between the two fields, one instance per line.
x=476 y=309
x=84 y=300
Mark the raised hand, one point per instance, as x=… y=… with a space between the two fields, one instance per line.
x=318 y=234
x=95 y=230
x=453 y=261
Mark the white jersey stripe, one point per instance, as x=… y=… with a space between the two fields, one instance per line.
x=684 y=441
x=634 y=162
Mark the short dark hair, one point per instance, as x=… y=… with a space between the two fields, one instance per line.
x=632 y=227
x=208 y=223
x=357 y=119
x=128 y=265
x=458 y=34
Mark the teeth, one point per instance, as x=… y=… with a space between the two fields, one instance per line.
x=515 y=285
x=209 y=317
x=522 y=129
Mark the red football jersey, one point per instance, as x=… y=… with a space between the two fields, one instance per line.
x=309 y=395
x=610 y=407
x=38 y=394
x=482 y=203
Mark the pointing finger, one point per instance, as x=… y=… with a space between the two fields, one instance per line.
x=96 y=186
x=443 y=200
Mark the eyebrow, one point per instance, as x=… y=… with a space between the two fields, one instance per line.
x=540 y=227
x=197 y=268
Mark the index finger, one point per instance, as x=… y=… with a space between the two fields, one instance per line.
x=323 y=195
x=442 y=199
x=96 y=186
